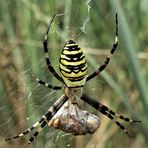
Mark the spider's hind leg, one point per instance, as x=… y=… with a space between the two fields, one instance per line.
x=116 y=122
x=113 y=117
x=25 y=132
x=48 y=116
x=120 y=116
x=108 y=112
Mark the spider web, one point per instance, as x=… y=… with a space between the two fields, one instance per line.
x=38 y=98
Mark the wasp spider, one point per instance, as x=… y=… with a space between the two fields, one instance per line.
x=73 y=75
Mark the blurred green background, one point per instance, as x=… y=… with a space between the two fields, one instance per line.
x=123 y=86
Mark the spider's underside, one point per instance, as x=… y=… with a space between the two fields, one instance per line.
x=65 y=113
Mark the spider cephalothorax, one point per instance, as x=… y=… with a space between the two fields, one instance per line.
x=74 y=94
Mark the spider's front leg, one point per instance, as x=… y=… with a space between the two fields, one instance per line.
x=45 y=45
x=108 y=112
x=106 y=62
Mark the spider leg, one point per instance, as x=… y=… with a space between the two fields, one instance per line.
x=108 y=112
x=46 y=84
x=106 y=62
x=43 y=121
x=25 y=132
x=36 y=133
x=48 y=115
x=45 y=45
x=105 y=108
x=116 y=122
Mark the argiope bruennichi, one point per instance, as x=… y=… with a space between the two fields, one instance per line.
x=73 y=75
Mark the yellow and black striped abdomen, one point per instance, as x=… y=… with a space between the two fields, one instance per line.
x=73 y=66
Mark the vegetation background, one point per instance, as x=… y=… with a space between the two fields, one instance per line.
x=123 y=86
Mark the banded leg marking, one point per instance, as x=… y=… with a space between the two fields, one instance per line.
x=48 y=115
x=106 y=62
x=25 y=132
x=108 y=112
x=43 y=121
x=46 y=84
x=45 y=45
